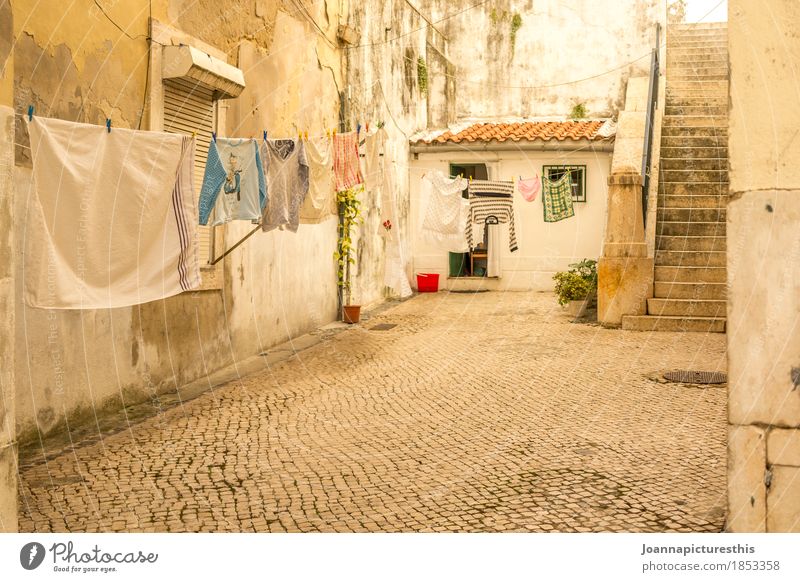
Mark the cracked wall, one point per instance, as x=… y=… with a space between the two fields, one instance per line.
x=77 y=65
x=525 y=66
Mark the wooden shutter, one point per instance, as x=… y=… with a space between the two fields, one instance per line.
x=188 y=109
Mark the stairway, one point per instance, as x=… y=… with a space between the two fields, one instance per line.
x=690 y=272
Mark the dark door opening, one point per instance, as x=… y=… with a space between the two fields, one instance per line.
x=463 y=264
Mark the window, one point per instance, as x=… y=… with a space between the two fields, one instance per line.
x=189 y=109
x=577 y=178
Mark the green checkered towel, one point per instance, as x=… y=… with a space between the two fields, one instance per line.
x=557 y=198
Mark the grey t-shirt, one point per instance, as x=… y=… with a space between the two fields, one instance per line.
x=286 y=171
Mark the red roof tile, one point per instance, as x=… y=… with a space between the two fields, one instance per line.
x=529 y=131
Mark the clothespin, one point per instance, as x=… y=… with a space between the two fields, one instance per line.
x=108 y=125
x=334 y=133
x=358 y=129
x=265 y=135
x=194 y=134
x=299 y=135
x=306 y=136
x=214 y=136
x=327 y=132
x=30 y=112
x=368 y=127
x=470 y=179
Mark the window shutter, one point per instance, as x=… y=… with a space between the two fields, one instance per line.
x=188 y=109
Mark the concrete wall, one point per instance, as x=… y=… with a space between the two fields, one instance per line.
x=544 y=248
x=77 y=65
x=555 y=43
x=8 y=450
x=763 y=255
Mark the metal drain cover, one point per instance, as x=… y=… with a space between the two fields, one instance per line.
x=383 y=326
x=695 y=377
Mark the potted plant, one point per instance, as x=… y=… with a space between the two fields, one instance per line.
x=576 y=288
x=349 y=217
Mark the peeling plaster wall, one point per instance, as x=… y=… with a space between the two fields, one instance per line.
x=557 y=42
x=77 y=65
x=763 y=254
x=8 y=449
x=383 y=84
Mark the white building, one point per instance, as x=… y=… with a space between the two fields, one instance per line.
x=508 y=151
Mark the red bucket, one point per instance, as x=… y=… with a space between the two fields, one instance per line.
x=427 y=282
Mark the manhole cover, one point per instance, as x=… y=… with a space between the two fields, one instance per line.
x=695 y=377
x=383 y=326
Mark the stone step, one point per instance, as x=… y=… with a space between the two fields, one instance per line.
x=712 y=43
x=691 y=258
x=694 y=131
x=695 y=121
x=694 y=163
x=710 y=86
x=701 y=59
x=696 y=26
x=712 y=176
x=686 y=307
x=690 y=153
x=697 y=201
x=697 y=110
x=692 y=54
x=682 y=35
x=694 y=141
x=693 y=189
x=691 y=214
x=697 y=75
x=689 y=274
x=673 y=323
x=684 y=96
x=668 y=290
x=665 y=228
x=691 y=243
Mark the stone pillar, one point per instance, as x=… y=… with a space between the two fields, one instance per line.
x=764 y=268
x=625 y=273
x=8 y=449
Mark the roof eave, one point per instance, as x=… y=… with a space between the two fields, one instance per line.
x=566 y=145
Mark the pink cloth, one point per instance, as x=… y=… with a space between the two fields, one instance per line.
x=346 y=163
x=529 y=188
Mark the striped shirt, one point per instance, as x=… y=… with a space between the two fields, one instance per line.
x=500 y=208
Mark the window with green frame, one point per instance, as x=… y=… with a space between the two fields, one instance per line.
x=577 y=179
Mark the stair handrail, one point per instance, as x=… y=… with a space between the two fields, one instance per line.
x=652 y=105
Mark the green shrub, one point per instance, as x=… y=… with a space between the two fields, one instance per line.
x=577 y=283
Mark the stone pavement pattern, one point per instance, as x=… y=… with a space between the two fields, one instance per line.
x=478 y=412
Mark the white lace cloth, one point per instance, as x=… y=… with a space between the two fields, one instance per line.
x=445 y=221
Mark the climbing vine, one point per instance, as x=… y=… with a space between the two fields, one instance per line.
x=516 y=24
x=422 y=75
x=349 y=217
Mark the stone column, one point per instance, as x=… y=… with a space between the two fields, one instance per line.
x=625 y=273
x=764 y=267
x=8 y=449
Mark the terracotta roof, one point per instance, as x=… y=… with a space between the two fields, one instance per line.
x=528 y=130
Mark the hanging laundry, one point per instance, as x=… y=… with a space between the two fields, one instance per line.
x=557 y=198
x=378 y=179
x=445 y=220
x=320 y=202
x=233 y=183
x=529 y=188
x=286 y=169
x=346 y=163
x=493 y=256
x=491 y=188
x=113 y=221
x=481 y=208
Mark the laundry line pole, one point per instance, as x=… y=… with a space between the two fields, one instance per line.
x=233 y=248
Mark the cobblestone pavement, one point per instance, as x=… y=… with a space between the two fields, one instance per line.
x=478 y=412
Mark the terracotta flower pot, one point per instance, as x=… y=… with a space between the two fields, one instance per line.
x=351 y=313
